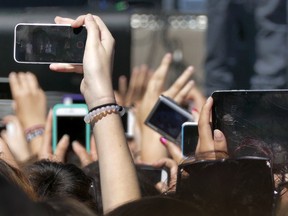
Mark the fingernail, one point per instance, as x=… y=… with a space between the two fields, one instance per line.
x=195 y=110
x=65 y=136
x=89 y=17
x=218 y=135
x=163 y=141
x=190 y=68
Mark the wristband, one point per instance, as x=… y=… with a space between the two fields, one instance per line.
x=99 y=112
x=33 y=132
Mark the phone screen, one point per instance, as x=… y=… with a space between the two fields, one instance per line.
x=74 y=126
x=49 y=43
x=189 y=138
x=68 y=119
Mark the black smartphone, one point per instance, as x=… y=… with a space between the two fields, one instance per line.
x=254 y=122
x=153 y=174
x=36 y=43
x=167 y=118
x=5 y=91
x=190 y=138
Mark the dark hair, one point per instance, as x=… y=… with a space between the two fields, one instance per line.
x=65 y=207
x=242 y=187
x=157 y=206
x=57 y=180
x=17 y=177
x=146 y=186
x=14 y=201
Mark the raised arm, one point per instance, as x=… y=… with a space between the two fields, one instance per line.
x=117 y=172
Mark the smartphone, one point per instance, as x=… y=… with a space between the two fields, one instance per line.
x=128 y=121
x=36 y=43
x=190 y=138
x=153 y=174
x=73 y=99
x=167 y=118
x=68 y=119
x=5 y=91
x=254 y=122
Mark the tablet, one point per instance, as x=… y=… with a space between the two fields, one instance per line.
x=254 y=122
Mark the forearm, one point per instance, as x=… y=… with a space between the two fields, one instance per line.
x=151 y=148
x=119 y=182
x=35 y=145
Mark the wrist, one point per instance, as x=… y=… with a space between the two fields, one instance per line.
x=33 y=132
x=33 y=123
x=99 y=101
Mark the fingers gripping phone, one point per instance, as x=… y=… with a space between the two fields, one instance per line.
x=68 y=119
x=36 y=43
x=190 y=137
x=167 y=118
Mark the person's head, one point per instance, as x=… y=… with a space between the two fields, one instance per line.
x=14 y=201
x=64 y=207
x=57 y=180
x=242 y=187
x=146 y=185
x=16 y=177
x=157 y=206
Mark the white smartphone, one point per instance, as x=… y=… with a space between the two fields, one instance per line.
x=167 y=118
x=38 y=43
x=128 y=121
x=190 y=138
x=68 y=119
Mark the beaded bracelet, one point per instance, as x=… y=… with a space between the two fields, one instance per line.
x=33 y=132
x=98 y=113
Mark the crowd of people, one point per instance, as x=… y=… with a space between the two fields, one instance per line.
x=35 y=180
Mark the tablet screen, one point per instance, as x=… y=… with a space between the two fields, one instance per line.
x=255 y=123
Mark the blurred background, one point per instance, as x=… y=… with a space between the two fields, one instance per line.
x=144 y=30
x=233 y=44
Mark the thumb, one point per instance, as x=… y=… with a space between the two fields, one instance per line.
x=220 y=144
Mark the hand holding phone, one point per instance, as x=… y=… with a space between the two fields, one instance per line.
x=36 y=43
x=68 y=119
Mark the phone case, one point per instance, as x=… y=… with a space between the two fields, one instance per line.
x=70 y=107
